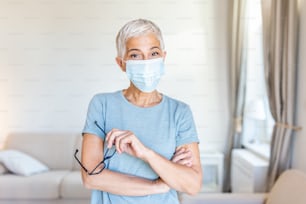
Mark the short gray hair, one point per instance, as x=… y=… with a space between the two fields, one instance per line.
x=136 y=28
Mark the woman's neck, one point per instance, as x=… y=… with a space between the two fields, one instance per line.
x=141 y=99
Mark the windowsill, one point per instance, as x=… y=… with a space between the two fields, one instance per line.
x=262 y=150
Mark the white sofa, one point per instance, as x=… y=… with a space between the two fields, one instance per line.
x=290 y=188
x=60 y=184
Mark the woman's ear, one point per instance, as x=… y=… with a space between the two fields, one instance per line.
x=121 y=64
x=165 y=54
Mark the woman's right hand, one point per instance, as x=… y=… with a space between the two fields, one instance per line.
x=126 y=141
x=182 y=156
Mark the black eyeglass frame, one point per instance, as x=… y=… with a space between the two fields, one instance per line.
x=106 y=157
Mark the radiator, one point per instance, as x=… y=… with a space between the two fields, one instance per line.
x=212 y=166
x=248 y=172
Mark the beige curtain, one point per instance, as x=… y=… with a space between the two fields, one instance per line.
x=237 y=82
x=280 y=61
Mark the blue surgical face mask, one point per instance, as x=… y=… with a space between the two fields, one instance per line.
x=145 y=74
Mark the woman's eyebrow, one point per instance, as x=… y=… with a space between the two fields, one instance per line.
x=133 y=49
x=155 y=47
x=138 y=50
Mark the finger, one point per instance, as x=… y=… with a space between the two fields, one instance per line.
x=111 y=136
x=126 y=142
x=185 y=162
x=182 y=156
x=182 y=161
x=180 y=151
x=118 y=142
x=189 y=164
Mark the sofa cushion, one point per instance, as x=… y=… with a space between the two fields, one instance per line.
x=289 y=188
x=39 y=186
x=53 y=149
x=72 y=186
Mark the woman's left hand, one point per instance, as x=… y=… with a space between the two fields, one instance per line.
x=126 y=141
x=183 y=156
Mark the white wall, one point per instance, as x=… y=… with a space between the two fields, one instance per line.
x=55 y=55
x=299 y=161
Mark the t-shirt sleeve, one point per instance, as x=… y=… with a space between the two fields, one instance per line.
x=95 y=123
x=186 y=130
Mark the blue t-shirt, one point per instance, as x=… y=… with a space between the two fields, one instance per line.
x=161 y=128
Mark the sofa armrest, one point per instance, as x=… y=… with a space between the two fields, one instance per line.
x=3 y=169
x=225 y=198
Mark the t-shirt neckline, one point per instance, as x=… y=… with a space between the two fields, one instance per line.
x=139 y=107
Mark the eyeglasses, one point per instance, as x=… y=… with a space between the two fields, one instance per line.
x=109 y=153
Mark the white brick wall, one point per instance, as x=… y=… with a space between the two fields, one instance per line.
x=55 y=55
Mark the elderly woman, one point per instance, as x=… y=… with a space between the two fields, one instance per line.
x=139 y=145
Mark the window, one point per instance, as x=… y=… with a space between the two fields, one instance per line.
x=257 y=122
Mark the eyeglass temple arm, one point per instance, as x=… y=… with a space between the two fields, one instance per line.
x=89 y=173
x=100 y=127
x=75 y=156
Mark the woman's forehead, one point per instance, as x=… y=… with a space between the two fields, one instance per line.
x=143 y=41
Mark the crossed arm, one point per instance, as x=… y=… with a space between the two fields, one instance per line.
x=185 y=163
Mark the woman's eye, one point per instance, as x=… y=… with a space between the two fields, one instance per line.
x=135 y=56
x=155 y=54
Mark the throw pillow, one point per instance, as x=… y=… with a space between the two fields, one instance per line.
x=20 y=163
